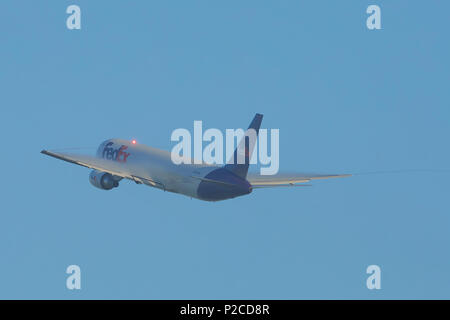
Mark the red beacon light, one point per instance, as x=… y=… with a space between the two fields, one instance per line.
x=133 y=141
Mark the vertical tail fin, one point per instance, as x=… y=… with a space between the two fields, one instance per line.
x=240 y=161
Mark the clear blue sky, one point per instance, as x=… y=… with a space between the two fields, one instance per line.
x=345 y=99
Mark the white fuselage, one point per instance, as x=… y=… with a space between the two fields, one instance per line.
x=155 y=166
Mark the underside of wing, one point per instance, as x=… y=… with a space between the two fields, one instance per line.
x=112 y=167
x=287 y=179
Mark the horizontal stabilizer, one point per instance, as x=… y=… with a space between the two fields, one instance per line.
x=213 y=181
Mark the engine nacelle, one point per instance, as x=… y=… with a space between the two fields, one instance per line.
x=103 y=180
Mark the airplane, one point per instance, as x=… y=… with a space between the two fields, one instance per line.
x=118 y=159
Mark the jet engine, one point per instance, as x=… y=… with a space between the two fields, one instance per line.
x=103 y=180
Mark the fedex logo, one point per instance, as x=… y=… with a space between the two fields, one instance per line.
x=118 y=155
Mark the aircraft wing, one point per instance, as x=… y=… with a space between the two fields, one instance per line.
x=287 y=180
x=112 y=167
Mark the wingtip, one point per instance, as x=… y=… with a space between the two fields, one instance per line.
x=46 y=152
x=344 y=175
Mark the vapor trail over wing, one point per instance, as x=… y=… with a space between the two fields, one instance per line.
x=287 y=179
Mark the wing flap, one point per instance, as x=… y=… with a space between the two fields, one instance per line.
x=287 y=180
x=259 y=186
